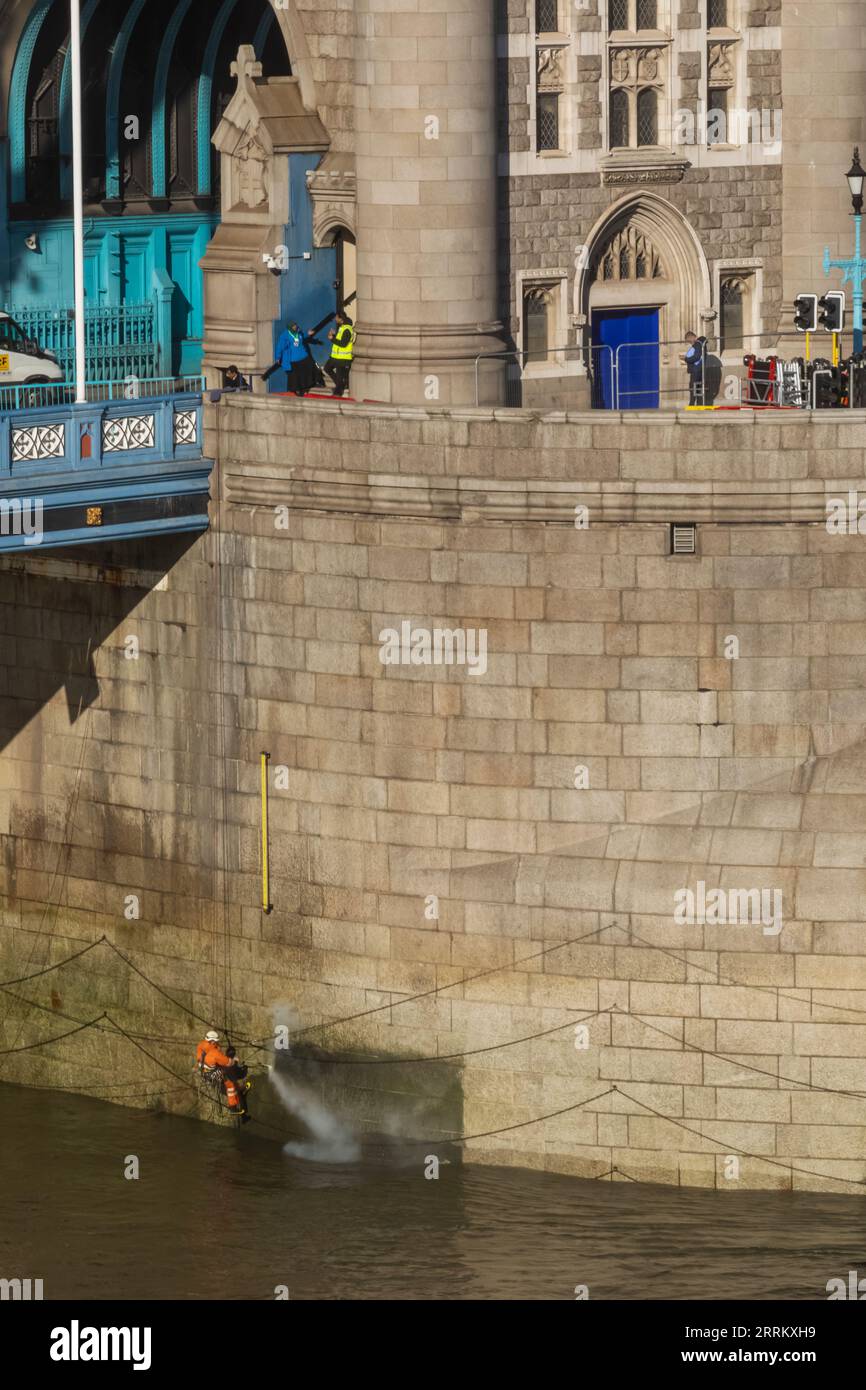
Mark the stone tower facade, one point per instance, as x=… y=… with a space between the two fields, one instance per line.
x=426 y=170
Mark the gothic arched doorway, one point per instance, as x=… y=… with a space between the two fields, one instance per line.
x=644 y=284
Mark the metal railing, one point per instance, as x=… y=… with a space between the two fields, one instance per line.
x=649 y=374
x=15 y=398
x=120 y=339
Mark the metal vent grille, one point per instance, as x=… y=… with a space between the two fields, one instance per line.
x=684 y=540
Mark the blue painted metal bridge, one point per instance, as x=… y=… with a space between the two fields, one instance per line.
x=73 y=474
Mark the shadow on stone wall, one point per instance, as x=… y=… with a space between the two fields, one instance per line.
x=53 y=622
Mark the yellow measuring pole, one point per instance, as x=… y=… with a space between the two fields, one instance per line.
x=266 y=882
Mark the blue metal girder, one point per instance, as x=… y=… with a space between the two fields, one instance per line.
x=205 y=92
x=159 y=177
x=18 y=99
x=263 y=30
x=166 y=504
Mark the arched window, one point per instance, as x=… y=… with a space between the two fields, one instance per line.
x=619 y=138
x=647 y=117
x=42 y=136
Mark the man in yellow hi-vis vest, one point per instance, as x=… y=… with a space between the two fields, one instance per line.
x=339 y=364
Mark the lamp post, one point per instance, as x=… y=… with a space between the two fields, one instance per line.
x=855 y=266
x=77 y=201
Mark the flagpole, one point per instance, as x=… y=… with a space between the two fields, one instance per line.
x=78 y=202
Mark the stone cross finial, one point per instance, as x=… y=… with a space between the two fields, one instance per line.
x=245 y=67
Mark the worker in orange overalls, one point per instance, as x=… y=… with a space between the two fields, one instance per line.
x=210 y=1057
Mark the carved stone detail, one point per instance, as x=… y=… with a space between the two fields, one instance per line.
x=720 y=64
x=629 y=255
x=667 y=173
x=332 y=190
x=549 y=69
x=637 y=67
x=252 y=172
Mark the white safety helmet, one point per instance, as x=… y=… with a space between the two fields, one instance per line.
x=211 y=1036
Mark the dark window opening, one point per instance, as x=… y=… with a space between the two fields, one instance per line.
x=717 y=116
x=732 y=316
x=647 y=118
x=548 y=121
x=536 y=326
x=618 y=14
x=546 y=16
x=618 y=120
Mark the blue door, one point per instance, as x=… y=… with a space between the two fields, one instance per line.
x=627 y=339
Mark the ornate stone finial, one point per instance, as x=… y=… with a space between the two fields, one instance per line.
x=245 y=67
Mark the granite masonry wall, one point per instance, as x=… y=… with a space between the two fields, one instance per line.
x=487 y=861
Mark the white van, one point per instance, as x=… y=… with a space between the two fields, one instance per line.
x=22 y=361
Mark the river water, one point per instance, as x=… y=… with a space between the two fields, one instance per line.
x=215 y=1214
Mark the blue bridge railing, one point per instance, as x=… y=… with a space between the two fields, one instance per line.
x=14 y=398
x=52 y=440
x=121 y=339
x=106 y=470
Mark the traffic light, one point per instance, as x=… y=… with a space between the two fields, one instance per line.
x=832 y=308
x=806 y=313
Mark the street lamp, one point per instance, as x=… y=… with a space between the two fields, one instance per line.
x=855 y=267
x=77 y=200
x=855 y=177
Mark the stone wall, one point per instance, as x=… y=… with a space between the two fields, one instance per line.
x=736 y=212
x=409 y=784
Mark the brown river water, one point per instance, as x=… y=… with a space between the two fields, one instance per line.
x=220 y=1214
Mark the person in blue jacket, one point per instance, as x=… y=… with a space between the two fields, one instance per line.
x=294 y=358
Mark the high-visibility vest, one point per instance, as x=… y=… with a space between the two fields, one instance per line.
x=343 y=349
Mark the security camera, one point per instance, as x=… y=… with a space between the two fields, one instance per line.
x=32 y=242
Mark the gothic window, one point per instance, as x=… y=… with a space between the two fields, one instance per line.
x=619 y=136
x=550 y=83
x=734 y=299
x=647 y=14
x=628 y=255
x=546 y=16
x=43 y=150
x=637 y=76
x=721 y=92
x=547 y=117
x=647 y=117
x=717 y=14
x=537 y=323
x=619 y=14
